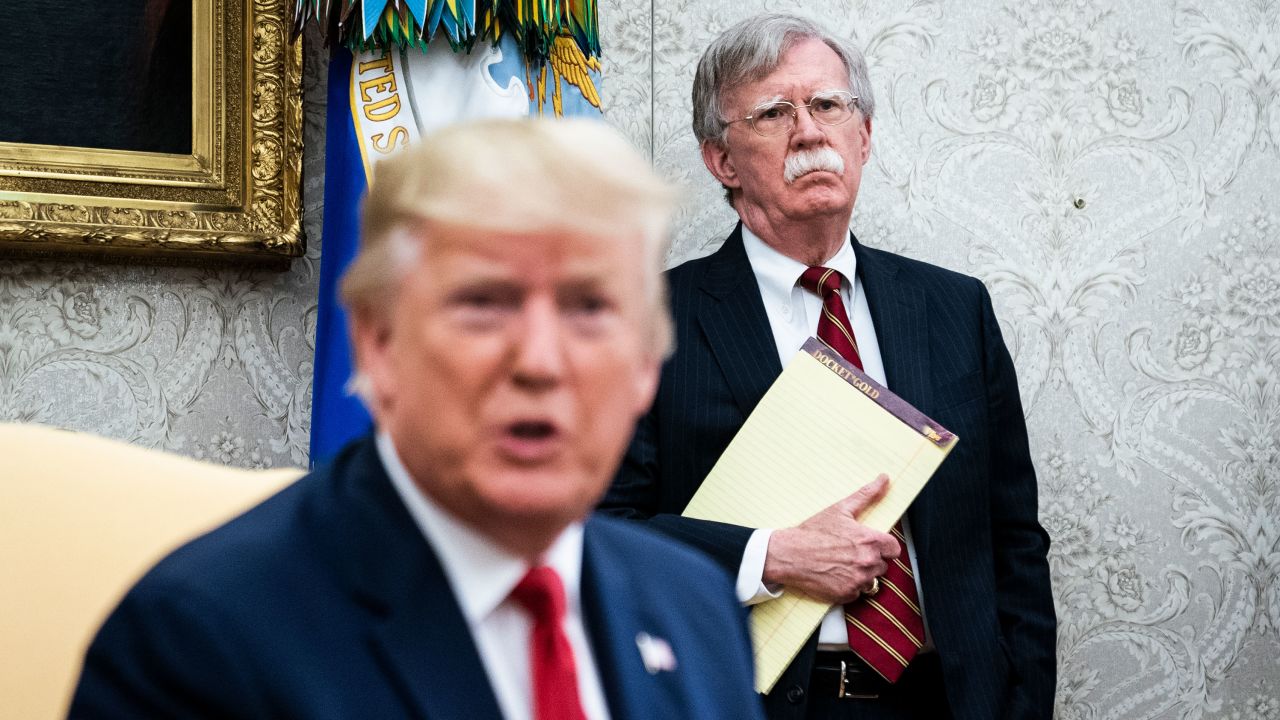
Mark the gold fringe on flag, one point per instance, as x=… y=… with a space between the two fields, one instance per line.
x=535 y=25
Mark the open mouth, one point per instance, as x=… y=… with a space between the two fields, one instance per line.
x=532 y=430
x=531 y=441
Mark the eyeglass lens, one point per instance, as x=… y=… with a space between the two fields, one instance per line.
x=777 y=117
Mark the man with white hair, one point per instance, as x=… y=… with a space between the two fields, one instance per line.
x=508 y=319
x=951 y=614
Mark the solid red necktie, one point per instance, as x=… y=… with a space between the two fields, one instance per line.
x=885 y=629
x=555 y=677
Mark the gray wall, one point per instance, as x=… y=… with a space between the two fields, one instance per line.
x=1144 y=324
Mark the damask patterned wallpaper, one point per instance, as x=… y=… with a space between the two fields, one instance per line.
x=1108 y=169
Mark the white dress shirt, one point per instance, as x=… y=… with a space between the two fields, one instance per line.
x=793 y=314
x=482 y=576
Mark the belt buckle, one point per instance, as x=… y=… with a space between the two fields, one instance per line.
x=842 y=695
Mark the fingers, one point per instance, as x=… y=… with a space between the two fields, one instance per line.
x=865 y=496
x=869 y=585
x=888 y=546
x=872 y=587
x=872 y=565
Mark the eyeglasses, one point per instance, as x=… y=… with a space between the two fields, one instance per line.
x=779 y=116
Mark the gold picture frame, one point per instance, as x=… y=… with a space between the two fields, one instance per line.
x=235 y=196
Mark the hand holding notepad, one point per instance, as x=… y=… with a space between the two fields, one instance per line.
x=823 y=430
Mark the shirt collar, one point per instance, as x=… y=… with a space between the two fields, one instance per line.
x=778 y=274
x=481 y=573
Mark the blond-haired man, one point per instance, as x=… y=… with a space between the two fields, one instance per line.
x=508 y=324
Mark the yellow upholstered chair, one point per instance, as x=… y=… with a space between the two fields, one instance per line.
x=81 y=519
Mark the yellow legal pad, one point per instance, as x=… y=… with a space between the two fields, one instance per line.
x=823 y=430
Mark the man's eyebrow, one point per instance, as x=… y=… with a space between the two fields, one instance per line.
x=491 y=282
x=777 y=97
x=583 y=283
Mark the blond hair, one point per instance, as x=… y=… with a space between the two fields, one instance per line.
x=503 y=175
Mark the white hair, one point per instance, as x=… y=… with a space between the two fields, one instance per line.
x=807 y=161
x=751 y=49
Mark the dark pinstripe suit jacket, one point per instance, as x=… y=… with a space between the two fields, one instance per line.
x=980 y=547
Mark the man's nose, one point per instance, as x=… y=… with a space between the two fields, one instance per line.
x=806 y=132
x=539 y=360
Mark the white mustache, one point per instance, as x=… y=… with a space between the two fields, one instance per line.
x=807 y=161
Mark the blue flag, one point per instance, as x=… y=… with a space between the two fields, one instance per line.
x=336 y=416
x=380 y=103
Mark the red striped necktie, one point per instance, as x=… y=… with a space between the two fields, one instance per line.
x=555 y=677
x=886 y=628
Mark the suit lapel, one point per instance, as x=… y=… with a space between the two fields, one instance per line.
x=427 y=644
x=735 y=325
x=615 y=619
x=902 y=325
x=416 y=628
x=901 y=318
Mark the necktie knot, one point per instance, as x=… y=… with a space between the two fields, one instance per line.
x=833 y=324
x=541 y=593
x=821 y=280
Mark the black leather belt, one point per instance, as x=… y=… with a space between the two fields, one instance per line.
x=845 y=675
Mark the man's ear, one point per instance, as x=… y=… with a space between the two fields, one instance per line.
x=866 y=140
x=646 y=383
x=370 y=332
x=716 y=157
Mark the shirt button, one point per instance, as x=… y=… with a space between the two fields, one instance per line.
x=786 y=311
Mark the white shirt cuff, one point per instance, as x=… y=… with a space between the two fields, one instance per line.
x=750 y=586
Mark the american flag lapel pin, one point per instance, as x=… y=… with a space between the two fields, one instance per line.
x=656 y=653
